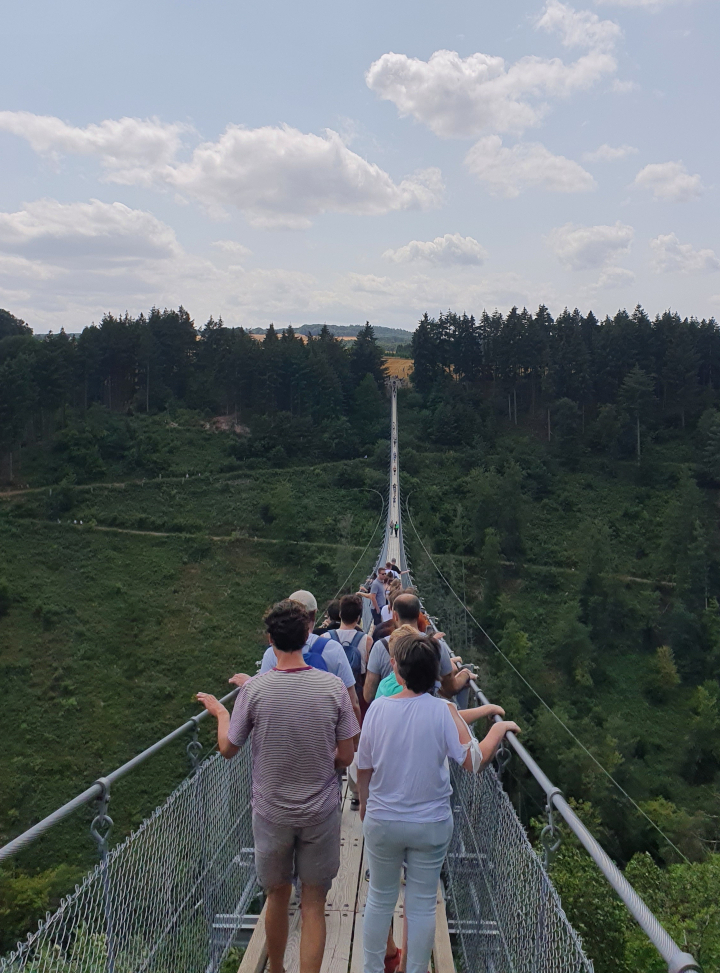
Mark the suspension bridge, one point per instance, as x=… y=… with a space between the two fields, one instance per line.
x=179 y=892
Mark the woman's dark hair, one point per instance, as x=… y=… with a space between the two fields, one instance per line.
x=350 y=608
x=418 y=662
x=287 y=623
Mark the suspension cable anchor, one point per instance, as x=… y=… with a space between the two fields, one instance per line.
x=102 y=822
x=550 y=837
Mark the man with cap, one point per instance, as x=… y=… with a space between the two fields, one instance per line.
x=333 y=653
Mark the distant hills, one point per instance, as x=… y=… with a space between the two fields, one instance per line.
x=384 y=335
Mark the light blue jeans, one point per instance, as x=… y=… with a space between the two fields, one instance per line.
x=422 y=847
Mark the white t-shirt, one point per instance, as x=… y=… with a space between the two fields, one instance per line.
x=406 y=743
x=333 y=654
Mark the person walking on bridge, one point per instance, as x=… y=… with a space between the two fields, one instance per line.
x=406 y=611
x=332 y=653
x=302 y=727
x=404 y=785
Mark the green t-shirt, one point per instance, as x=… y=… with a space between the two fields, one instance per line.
x=389 y=686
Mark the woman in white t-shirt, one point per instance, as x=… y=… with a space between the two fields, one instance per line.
x=404 y=784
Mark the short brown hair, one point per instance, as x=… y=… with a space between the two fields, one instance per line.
x=350 y=608
x=417 y=658
x=287 y=623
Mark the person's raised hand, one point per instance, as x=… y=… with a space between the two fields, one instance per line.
x=211 y=704
x=239 y=679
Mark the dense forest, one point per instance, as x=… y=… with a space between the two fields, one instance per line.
x=299 y=398
x=562 y=473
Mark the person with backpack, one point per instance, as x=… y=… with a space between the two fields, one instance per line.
x=301 y=729
x=320 y=652
x=354 y=641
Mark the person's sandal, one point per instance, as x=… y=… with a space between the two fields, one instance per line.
x=392 y=963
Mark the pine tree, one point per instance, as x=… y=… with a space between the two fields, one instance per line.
x=425 y=361
x=366 y=357
x=637 y=396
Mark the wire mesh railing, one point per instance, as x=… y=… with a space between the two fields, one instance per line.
x=506 y=915
x=170 y=898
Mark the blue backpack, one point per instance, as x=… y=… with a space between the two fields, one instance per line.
x=352 y=652
x=314 y=656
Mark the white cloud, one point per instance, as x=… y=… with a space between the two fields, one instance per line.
x=670 y=181
x=671 y=256
x=133 y=150
x=584 y=247
x=527 y=165
x=462 y=97
x=283 y=177
x=95 y=231
x=614 y=277
x=449 y=249
x=624 y=87
x=233 y=247
x=643 y=4
x=579 y=28
x=277 y=176
x=609 y=153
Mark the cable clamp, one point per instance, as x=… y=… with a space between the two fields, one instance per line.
x=102 y=822
x=550 y=837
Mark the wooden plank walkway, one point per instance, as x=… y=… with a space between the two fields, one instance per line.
x=344 y=916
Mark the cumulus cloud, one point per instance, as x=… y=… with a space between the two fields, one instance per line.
x=579 y=28
x=449 y=249
x=463 y=97
x=65 y=265
x=233 y=247
x=277 y=176
x=133 y=150
x=671 y=256
x=100 y=232
x=614 y=277
x=669 y=181
x=609 y=153
x=283 y=177
x=527 y=165
x=643 y=4
x=586 y=247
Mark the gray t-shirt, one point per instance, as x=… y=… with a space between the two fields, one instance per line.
x=297 y=717
x=379 y=660
x=377 y=588
x=333 y=654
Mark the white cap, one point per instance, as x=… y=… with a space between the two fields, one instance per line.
x=306 y=599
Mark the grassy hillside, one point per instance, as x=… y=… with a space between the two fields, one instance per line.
x=109 y=634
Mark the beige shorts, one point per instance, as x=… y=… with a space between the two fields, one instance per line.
x=312 y=853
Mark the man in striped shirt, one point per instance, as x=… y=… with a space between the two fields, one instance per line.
x=303 y=725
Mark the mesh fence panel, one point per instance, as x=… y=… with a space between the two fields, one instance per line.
x=169 y=899
x=507 y=916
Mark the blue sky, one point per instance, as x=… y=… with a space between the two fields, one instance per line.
x=342 y=162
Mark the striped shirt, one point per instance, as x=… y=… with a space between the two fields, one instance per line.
x=297 y=717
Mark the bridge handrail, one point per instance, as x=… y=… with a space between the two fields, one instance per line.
x=101 y=785
x=677 y=960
